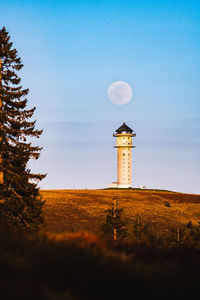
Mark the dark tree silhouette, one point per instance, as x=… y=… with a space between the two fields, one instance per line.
x=19 y=194
x=114 y=225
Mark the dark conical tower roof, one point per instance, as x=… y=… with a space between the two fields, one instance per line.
x=123 y=128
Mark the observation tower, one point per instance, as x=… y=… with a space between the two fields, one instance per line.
x=124 y=147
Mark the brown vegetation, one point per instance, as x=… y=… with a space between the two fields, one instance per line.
x=77 y=210
x=82 y=266
x=69 y=261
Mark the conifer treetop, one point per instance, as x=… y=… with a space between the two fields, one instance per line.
x=19 y=190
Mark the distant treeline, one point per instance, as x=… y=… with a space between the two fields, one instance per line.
x=116 y=226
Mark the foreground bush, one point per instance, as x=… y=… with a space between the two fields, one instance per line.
x=83 y=266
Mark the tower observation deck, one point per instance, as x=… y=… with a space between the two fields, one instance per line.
x=124 y=147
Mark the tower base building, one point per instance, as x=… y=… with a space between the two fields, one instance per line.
x=124 y=145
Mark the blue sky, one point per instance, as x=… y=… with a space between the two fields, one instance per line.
x=73 y=50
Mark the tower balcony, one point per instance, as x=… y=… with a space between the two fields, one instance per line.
x=124 y=146
x=124 y=134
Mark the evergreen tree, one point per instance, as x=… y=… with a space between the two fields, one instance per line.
x=178 y=235
x=191 y=236
x=139 y=230
x=114 y=225
x=19 y=194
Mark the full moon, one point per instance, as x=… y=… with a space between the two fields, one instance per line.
x=120 y=92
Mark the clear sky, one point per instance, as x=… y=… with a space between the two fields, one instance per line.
x=73 y=50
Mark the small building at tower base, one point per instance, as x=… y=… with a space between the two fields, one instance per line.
x=113 y=185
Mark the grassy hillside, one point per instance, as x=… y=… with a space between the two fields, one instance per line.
x=75 y=210
x=84 y=266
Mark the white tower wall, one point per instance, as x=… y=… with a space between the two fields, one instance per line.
x=124 y=159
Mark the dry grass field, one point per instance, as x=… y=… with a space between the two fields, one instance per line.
x=59 y=264
x=77 y=210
